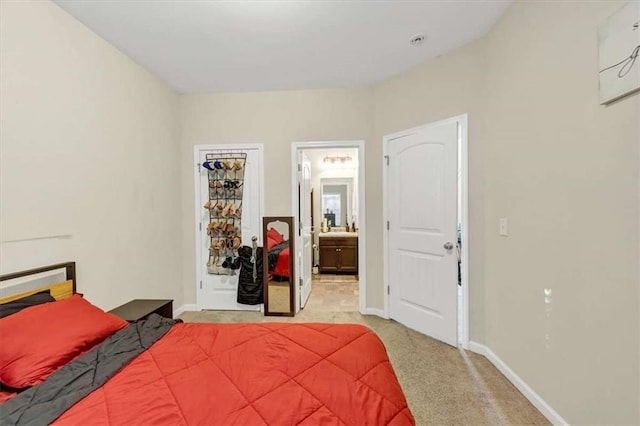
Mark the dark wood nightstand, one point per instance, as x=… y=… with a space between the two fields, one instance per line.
x=139 y=309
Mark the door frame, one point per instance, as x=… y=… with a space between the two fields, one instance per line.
x=362 y=254
x=198 y=208
x=462 y=121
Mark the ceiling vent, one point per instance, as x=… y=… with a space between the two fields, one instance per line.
x=417 y=39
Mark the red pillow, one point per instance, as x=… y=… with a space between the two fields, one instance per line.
x=38 y=340
x=274 y=235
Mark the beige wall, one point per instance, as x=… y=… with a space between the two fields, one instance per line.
x=451 y=86
x=564 y=170
x=275 y=119
x=543 y=153
x=88 y=148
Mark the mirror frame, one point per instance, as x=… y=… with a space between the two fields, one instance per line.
x=288 y=220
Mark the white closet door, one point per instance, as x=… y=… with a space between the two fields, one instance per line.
x=422 y=201
x=220 y=291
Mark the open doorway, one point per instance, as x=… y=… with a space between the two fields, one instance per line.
x=327 y=194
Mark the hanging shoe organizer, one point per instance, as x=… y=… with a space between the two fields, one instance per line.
x=226 y=181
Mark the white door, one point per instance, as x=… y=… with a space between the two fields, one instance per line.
x=422 y=201
x=304 y=252
x=220 y=291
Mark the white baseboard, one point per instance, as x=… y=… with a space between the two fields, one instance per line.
x=519 y=383
x=184 y=308
x=375 y=311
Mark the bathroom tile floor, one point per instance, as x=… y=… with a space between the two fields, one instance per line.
x=334 y=293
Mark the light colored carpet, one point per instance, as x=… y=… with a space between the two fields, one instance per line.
x=443 y=385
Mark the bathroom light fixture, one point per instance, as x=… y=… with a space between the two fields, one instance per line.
x=337 y=159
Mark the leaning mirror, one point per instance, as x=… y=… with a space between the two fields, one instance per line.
x=278 y=266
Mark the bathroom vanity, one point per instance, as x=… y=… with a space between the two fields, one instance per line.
x=338 y=252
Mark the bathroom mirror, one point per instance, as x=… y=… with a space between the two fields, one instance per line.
x=337 y=201
x=278 y=257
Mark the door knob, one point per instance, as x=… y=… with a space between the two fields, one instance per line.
x=448 y=245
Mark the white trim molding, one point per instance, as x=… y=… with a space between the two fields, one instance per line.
x=378 y=312
x=184 y=308
x=537 y=401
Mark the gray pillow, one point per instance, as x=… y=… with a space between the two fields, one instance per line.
x=14 y=306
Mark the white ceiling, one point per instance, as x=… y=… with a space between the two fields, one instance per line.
x=230 y=46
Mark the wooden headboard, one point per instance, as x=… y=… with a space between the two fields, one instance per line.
x=25 y=286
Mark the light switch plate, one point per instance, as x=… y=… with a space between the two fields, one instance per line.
x=504 y=227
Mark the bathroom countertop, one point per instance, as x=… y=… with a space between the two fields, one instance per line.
x=336 y=234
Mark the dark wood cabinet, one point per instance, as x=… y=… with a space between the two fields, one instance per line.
x=339 y=255
x=349 y=259
x=138 y=309
x=329 y=258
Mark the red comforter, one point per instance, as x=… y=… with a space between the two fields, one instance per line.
x=252 y=374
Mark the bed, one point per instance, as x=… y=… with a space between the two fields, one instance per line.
x=103 y=370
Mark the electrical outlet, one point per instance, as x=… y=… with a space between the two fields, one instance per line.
x=504 y=227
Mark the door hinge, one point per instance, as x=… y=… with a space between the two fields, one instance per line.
x=301 y=282
x=198 y=164
x=200 y=284
x=200 y=224
x=388 y=225
x=386 y=157
x=299 y=167
x=388 y=290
